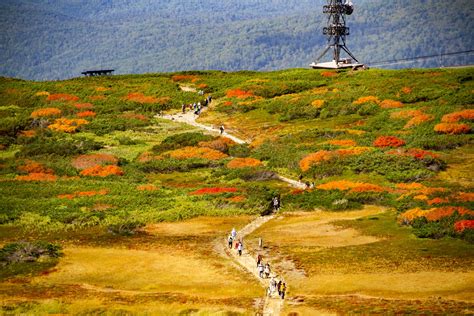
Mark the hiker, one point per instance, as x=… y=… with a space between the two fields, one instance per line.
x=240 y=248
x=259 y=259
x=221 y=129
x=267 y=270
x=260 y=270
x=183 y=108
x=209 y=98
x=199 y=105
x=279 y=288
x=233 y=233
x=282 y=290
x=311 y=186
x=272 y=285
x=276 y=203
x=307 y=185
x=230 y=240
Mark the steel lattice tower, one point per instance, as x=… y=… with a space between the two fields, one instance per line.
x=336 y=32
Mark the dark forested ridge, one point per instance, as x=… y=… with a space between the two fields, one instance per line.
x=52 y=39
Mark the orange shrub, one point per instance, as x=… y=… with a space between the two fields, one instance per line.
x=388 y=141
x=228 y=103
x=419 y=119
x=221 y=144
x=62 y=97
x=391 y=104
x=464 y=197
x=437 y=200
x=140 y=98
x=406 y=90
x=213 y=191
x=315 y=158
x=237 y=163
x=452 y=128
x=438 y=213
x=197 y=152
x=342 y=142
x=67 y=125
x=410 y=186
x=102 y=171
x=101 y=89
x=92 y=160
x=344 y=185
x=147 y=187
x=420 y=197
x=237 y=199
x=37 y=177
x=83 y=106
x=202 y=86
x=368 y=99
x=192 y=78
x=408 y=216
x=41 y=93
x=457 y=116
x=46 y=112
x=317 y=103
x=328 y=74
x=241 y=94
x=34 y=167
x=86 y=114
x=324 y=155
x=405 y=114
x=28 y=133
x=82 y=194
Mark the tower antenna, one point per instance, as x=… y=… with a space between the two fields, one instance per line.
x=336 y=32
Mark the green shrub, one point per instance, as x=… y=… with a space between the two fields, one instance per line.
x=125 y=228
x=334 y=200
x=171 y=165
x=60 y=146
x=102 y=126
x=240 y=151
x=28 y=252
x=181 y=140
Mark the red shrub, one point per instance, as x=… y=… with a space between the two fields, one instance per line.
x=241 y=94
x=62 y=97
x=102 y=171
x=86 y=114
x=457 y=116
x=461 y=226
x=388 y=141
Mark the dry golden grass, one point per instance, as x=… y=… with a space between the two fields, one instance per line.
x=170 y=269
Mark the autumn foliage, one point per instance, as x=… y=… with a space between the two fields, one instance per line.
x=452 y=128
x=457 y=116
x=388 y=141
x=328 y=74
x=83 y=106
x=102 y=171
x=83 y=194
x=92 y=160
x=237 y=163
x=34 y=167
x=141 y=98
x=414 y=152
x=344 y=185
x=62 y=97
x=178 y=78
x=343 y=142
x=135 y=116
x=237 y=93
x=434 y=214
x=67 y=125
x=197 y=152
x=86 y=114
x=46 y=112
x=367 y=99
x=37 y=177
x=217 y=190
x=325 y=155
x=391 y=104
x=461 y=226
x=317 y=103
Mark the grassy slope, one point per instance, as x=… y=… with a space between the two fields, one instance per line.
x=279 y=117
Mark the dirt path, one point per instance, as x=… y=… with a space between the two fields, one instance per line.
x=274 y=304
x=190 y=118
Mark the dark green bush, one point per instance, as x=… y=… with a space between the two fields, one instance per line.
x=21 y=252
x=171 y=165
x=334 y=200
x=239 y=151
x=181 y=140
x=125 y=228
x=58 y=145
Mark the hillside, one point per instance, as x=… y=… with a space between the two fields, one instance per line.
x=53 y=39
x=110 y=204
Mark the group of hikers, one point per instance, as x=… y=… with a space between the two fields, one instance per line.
x=197 y=107
x=264 y=270
x=308 y=185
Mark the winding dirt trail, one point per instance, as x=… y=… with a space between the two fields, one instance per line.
x=272 y=304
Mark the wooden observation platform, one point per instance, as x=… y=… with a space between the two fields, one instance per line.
x=101 y=72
